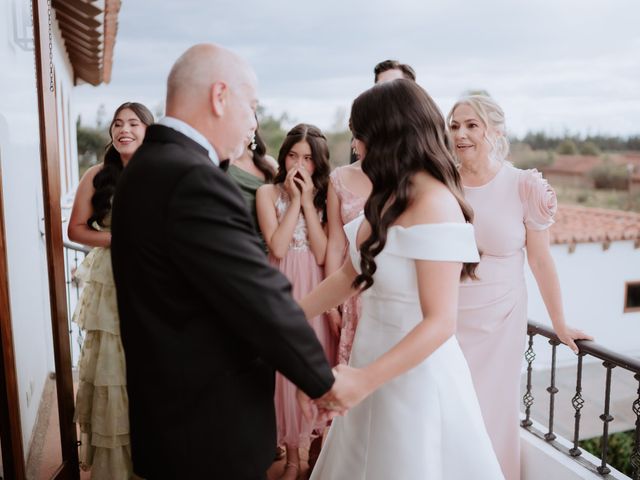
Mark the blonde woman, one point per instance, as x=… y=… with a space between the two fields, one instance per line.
x=513 y=211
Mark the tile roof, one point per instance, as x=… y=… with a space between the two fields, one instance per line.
x=576 y=224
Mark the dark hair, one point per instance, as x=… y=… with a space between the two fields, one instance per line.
x=404 y=133
x=105 y=180
x=408 y=72
x=320 y=155
x=260 y=161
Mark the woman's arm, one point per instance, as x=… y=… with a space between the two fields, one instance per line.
x=336 y=238
x=336 y=245
x=78 y=230
x=438 y=289
x=333 y=290
x=276 y=235
x=544 y=271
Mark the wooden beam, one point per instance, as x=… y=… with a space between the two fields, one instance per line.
x=89 y=46
x=83 y=27
x=90 y=22
x=70 y=29
x=89 y=55
x=89 y=75
x=85 y=9
x=50 y=166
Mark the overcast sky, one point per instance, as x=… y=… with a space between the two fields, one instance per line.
x=553 y=65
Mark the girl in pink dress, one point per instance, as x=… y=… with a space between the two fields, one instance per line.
x=290 y=214
x=348 y=191
x=513 y=210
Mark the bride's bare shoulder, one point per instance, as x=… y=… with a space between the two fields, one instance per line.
x=433 y=202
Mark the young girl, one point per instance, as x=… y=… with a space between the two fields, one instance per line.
x=290 y=214
x=102 y=404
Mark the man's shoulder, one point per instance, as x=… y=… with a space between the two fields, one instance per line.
x=165 y=144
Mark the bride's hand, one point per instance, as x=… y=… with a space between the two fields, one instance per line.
x=352 y=385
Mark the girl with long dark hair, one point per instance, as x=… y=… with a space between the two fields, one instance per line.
x=291 y=214
x=413 y=411
x=102 y=402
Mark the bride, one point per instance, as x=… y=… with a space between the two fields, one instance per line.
x=413 y=412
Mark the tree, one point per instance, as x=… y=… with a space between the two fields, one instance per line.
x=589 y=148
x=91 y=144
x=567 y=147
x=271 y=130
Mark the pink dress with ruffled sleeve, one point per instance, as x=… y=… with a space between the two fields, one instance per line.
x=351 y=206
x=492 y=320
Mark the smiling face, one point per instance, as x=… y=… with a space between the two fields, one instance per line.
x=127 y=132
x=470 y=134
x=300 y=156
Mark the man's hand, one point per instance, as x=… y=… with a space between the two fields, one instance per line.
x=352 y=385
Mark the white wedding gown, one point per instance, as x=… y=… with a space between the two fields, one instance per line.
x=425 y=424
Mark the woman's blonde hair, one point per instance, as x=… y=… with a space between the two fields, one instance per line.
x=492 y=116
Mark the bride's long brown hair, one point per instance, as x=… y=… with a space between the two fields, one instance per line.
x=404 y=133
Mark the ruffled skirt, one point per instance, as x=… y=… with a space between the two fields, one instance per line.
x=102 y=404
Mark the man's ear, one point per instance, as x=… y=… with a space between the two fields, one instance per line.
x=219 y=98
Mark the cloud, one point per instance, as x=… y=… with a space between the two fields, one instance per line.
x=553 y=65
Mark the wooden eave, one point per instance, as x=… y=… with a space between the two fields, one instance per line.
x=89 y=30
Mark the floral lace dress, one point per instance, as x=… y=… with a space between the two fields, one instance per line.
x=351 y=206
x=300 y=267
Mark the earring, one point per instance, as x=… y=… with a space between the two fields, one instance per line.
x=253 y=145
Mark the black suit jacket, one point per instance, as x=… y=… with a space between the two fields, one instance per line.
x=205 y=319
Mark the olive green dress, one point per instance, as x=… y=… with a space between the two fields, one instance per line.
x=248 y=184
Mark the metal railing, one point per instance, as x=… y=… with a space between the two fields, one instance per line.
x=610 y=360
x=74 y=254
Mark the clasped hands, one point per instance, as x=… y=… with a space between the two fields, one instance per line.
x=351 y=386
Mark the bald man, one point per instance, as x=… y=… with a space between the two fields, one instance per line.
x=204 y=319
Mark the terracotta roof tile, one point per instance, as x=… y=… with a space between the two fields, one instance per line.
x=576 y=224
x=582 y=164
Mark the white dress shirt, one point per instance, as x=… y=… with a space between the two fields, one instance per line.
x=192 y=133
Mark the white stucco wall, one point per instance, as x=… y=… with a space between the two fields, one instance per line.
x=22 y=196
x=593 y=290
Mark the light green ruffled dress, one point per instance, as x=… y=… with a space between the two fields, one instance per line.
x=102 y=404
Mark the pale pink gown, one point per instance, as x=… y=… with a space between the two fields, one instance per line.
x=300 y=267
x=351 y=206
x=492 y=319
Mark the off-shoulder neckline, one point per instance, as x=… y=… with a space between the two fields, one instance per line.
x=437 y=224
x=357 y=222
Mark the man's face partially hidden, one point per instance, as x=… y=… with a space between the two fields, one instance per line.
x=241 y=120
x=388 y=75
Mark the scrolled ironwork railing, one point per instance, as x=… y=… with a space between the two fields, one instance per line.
x=610 y=360
x=74 y=254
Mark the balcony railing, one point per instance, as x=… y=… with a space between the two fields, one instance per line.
x=73 y=256
x=610 y=361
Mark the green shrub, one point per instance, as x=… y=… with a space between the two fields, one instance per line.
x=589 y=148
x=608 y=175
x=523 y=156
x=567 y=147
x=620 y=449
